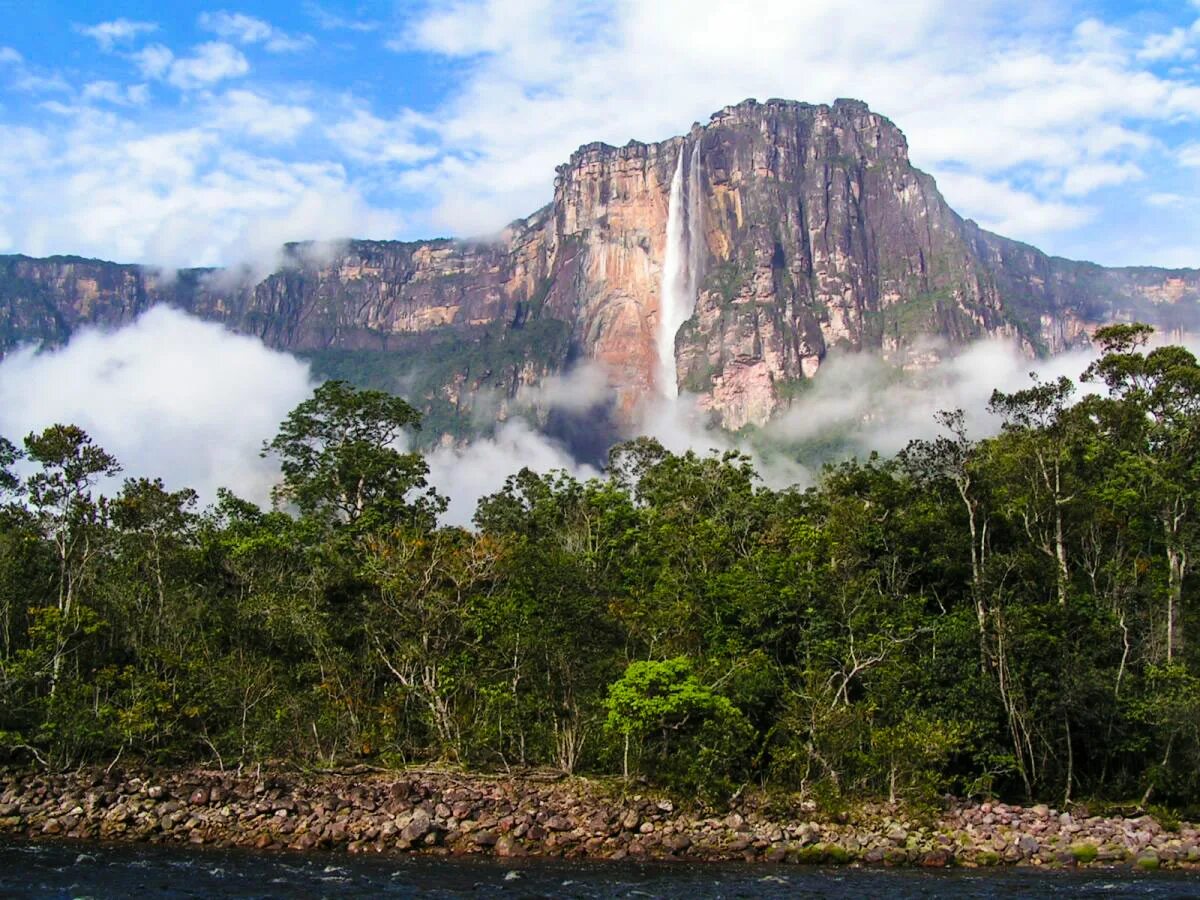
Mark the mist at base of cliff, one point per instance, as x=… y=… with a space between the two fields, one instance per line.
x=185 y=400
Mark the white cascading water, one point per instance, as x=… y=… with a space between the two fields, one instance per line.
x=681 y=266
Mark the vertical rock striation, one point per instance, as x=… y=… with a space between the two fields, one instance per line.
x=797 y=229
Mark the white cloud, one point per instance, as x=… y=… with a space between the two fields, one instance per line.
x=154 y=61
x=1189 y=155
x=39 y=84
x=1088 y=177
x=307 y=203
x=368 y=138
x=1175 y=44
x=118 y=31
x=248 y=30
x=576 y=391
x=249 y=113
x=985 y=88
x=26 y=79
x=467 y=28
x=1178 y=257
x=209 y=63
x=173 y=198
x=1002 y=208
x=466 y=474
x=857 y=396
x=119 y=95
x=23 y=149
x=1017 y=104
x=1166 y=199
x=158 y=394
x=335 y=22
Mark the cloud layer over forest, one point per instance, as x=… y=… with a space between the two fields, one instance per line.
x=188 y=401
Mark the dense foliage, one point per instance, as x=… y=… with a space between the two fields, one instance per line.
x=1009 y=616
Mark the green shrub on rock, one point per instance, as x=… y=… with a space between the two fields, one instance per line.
x=1084 y=853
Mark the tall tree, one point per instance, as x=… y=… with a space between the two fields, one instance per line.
x=1037 y=444
x=1153 y=414
x=60 y=495
x=342 y=456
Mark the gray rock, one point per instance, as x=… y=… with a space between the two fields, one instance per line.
x=418 y=826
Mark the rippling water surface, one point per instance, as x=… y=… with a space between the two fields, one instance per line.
x=83 y=870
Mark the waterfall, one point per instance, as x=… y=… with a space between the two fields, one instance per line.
x=682 y=261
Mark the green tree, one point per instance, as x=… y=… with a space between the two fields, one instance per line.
x=342 y=459
x=1154 y=417
x=1040 y=435
x=60 y=495
x=9 y=454
x=687 y=734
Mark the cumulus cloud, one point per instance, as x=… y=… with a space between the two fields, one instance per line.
x=1029 y=111
x=1002 y=208
x=168 y=395
x=153 y=61
x=340 y=21
x=367 y=138
x=210 y=62
x=320 y=207
x=1085 y=179
x=985 y=90
x=27 y=79
x=246 y=29
x=118 y=31
x=1178 y=43
x=119 y=95
x=1166 y=199
x=250 y=113
x=171 y=198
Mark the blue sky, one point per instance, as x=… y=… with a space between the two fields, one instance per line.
x=204 y=134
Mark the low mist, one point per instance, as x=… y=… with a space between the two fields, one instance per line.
x=168 y=395
x=175 y=397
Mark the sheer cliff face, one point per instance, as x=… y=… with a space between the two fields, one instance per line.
x=806 y=230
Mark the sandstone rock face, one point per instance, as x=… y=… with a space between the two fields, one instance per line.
x=813 y=232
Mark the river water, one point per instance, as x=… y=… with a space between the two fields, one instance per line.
x=104 y=871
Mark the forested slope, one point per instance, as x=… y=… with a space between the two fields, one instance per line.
x=1013 y=615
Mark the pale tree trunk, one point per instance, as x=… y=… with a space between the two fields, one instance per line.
x=978 y=543
x=1177 y=568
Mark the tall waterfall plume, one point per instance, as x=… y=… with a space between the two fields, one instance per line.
x=682 y=262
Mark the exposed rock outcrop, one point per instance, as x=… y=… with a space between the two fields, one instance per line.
x=815 y=232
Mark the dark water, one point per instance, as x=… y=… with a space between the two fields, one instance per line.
x=83 y=870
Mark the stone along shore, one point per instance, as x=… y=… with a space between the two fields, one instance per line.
x=442 y=813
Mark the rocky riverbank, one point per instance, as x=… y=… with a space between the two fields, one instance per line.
x=443 y=813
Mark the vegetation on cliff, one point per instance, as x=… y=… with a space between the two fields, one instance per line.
x=1010 y=616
